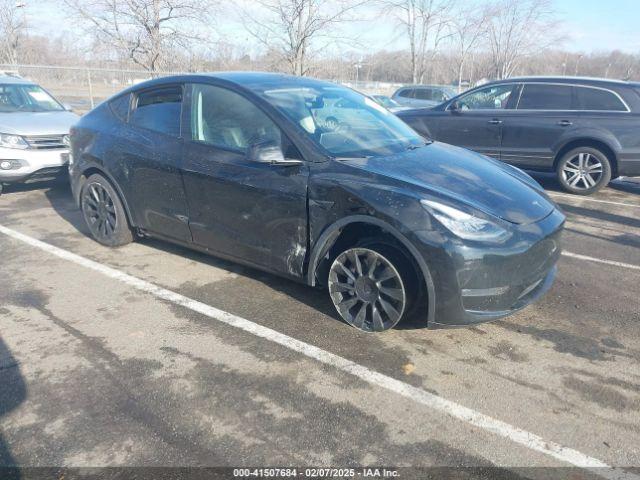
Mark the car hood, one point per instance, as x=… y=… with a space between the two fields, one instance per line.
x=37 y=123
x=461 y=175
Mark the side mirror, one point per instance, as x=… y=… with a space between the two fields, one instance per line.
x=270 y=152
x=67 y=107
x=455 y=107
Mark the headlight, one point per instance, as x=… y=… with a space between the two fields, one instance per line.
x=12 y=141
x=465 y=225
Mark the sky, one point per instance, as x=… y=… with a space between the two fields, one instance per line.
x=589 y=25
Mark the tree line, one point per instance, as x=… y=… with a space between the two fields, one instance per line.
x=435 y=41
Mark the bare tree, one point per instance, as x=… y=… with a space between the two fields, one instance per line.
x=519 y=29
x=469 y=29
x=293 y=28
x=426 y=25
x=12 y=27
x=145 y=31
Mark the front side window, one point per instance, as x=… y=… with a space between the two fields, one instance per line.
x=159 y=110
x=545 y=97
x=225 y=119
x=406 y=93
x=424 y=94
x=342 y=122
x=26 y=98
x=598 y=100
x=495 y=97
x=439 y=96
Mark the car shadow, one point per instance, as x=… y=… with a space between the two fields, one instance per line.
x=9 y=188
x=600 y=215
x=13 y=391
x=62 y=202
x=550 y=182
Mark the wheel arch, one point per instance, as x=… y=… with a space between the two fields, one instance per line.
x=332 y=233
x=593 y=142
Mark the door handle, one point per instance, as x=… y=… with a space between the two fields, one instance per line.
x=495 y=121
x=565 y=123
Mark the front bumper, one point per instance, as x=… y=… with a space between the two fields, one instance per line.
x=478 y=283
x=33 y=164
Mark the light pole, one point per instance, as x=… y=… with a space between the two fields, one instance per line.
x=357 y=66
x=19 y=25
x=578 y=64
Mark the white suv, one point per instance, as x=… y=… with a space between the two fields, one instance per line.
x=34 y=132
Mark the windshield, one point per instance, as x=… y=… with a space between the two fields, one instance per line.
x=26 y=98
x=386 y=101
x=343 y=122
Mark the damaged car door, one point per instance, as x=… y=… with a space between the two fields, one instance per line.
x=246 y=184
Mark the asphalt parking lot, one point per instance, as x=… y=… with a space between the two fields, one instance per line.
x=153 y=355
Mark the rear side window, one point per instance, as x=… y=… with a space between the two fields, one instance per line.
x=597 y=99
x=159 y=110
x=545 y=97
x=120 y=107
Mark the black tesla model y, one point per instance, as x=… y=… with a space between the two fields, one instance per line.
x=315 y=182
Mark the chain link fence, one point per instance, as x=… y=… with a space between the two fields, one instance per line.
x=82 y=88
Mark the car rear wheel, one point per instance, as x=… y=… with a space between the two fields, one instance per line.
x=370 y=287
x=104 y=213
x=584 y=170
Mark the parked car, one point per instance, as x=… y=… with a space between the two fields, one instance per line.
x=389 y=103
x=34 y=132
x=421 y=96
x=584 y=130
x=236 y=165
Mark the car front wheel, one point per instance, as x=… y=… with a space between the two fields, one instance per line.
x=369 y=287
x=584 y=170
x=104 y=213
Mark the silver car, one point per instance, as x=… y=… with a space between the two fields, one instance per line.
x=421 y=96
x=34 y=132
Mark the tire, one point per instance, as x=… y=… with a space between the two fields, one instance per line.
x=583 y=171
x=376 y=295
x=104 y=213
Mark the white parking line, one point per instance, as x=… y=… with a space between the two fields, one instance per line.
x=598 y=260
x=435 y=402
x=585 y=199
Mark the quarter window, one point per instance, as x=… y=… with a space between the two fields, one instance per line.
x=227 y=120
x=545 y=97
x=159 y=110
x=120 y=107
x=495 y=97
x=597 y=99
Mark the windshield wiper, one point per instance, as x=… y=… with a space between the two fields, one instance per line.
x=415 y=147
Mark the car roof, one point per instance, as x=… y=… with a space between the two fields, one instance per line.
x=13 y=80
x=256 y=81
x=424 y=86
x=589 y=81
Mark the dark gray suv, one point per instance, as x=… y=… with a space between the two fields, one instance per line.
x=586 y=130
